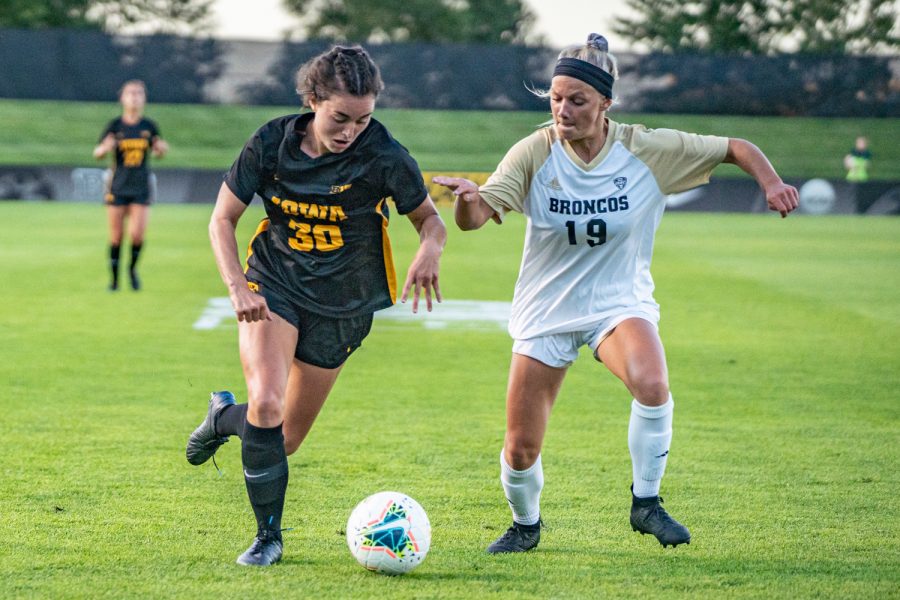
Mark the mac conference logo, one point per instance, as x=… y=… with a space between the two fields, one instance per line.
x=620 y=182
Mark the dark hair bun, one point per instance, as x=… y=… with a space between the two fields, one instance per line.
x=595 y=40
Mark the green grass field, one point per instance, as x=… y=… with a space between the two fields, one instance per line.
x=782 y=339
x=44 y=132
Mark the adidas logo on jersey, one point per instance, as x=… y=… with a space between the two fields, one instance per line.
x=553 y=184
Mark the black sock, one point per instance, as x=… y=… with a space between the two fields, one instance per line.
x=265 y=473
x=135 y=253
x=114 y=263
x=231 y=420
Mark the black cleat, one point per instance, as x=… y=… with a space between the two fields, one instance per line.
x=648 y=516
x=204 y=442
x=135 y=280
x=265 y=550
x=518 y=538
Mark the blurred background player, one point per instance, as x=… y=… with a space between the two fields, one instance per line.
x=857 y=161
x=132 y=136
x=593 y=192
x=318 y=268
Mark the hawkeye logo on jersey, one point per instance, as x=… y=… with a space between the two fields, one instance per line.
x=310 y=210
x=589 y=207
x=337 y=189
x=620 y=182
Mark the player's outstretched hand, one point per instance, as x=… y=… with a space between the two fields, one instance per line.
x=422 y=277
x=250 y=307
x=464 y=189
x=782 y=198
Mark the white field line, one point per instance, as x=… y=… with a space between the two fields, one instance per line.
x=455 y=314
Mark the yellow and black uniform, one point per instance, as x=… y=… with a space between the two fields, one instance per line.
x=322 y=258
x=130 y=182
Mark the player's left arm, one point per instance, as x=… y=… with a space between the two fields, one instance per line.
x=422 y=276
x=160 y=147
x=780 y=196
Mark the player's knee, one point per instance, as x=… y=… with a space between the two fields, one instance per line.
x=266 y=407
x=520 y=453
x=652 y=390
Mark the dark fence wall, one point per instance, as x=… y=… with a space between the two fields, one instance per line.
x=84 y=65
x=87 y=65
x=439 y=76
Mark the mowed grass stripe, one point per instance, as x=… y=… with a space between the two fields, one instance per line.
x=211 y=136
x=785 y=428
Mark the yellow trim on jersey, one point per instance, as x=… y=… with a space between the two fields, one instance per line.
x=263 y=226
x=389 y=271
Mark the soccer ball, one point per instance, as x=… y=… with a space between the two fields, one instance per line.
x=389 y=533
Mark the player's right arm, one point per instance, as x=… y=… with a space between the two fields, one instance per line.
x=470 y=210
x=248 y=306
x=505 y=189
x=106 y=145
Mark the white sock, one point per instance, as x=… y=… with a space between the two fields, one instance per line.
x=523 y=490
x=649 y=437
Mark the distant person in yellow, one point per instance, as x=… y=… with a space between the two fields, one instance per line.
x=132 y=137
x=857 y=161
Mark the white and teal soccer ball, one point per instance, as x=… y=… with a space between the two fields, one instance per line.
x=389 y=533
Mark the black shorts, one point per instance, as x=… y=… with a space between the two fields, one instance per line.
x=322 y=341
x=121 y=200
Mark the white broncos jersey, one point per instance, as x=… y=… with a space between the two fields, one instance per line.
x=590 y=227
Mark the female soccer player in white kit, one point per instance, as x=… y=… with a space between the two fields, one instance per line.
x=593 y=192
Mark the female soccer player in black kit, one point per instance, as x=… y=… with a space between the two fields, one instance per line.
x=317 y=269
x=132 y=136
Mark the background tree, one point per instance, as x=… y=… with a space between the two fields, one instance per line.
x=372 y=21
x=111 y=16
x=40 y=14
x=180 y=17
x=763 y=26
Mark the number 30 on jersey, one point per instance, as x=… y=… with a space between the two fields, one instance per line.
x=321 y=236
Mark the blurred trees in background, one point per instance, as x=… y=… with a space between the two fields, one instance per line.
x=375 y=21
x=42 y=14
x=763 y=26
x=112 y=16
x=182 y=17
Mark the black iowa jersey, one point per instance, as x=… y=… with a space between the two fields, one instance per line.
x=133 y=144
x=325 y=243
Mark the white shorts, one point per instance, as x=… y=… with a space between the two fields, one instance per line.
x=560 y=350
